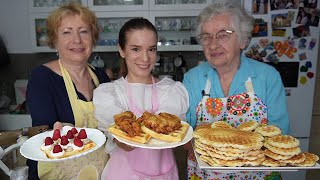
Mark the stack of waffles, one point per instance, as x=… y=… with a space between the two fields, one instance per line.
x=249 y=144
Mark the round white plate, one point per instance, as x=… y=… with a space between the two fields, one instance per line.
x=158 y=144
x=31 y=148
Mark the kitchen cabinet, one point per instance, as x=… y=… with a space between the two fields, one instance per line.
x=49 y=5
x=118 y=5
x=176 y=27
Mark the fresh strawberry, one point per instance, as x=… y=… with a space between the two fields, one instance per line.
x=70 y=134
x=56 y=134
x=48 y=141
x=57 y=148
x=82 y=134
x=64 y=140
x=74 y=130
x=77 y=141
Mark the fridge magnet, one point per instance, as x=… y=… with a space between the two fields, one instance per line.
x=303 y=17
x=278 y=32
x=303 y=80
x=260 y=6
x=291 y=42
x=272 y=57
x=280 y=20
x=283 y=4
x=302 y=43
x=310 y=75
x=308 y=64
x=283 y=48
x=253 y=53
x=260 y=28
x=302 y=56
x=263 y=42
x=291 y=15
x=314 y=20
x=304 y=69
x=312 y=43
x=301 y=31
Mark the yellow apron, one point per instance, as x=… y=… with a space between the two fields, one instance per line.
x=86 y=167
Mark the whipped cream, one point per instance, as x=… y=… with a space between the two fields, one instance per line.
x=76 y=148
x=44 y=147
x=56 y=155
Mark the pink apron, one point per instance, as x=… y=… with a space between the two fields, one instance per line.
x=234 y=110
x=142 y=164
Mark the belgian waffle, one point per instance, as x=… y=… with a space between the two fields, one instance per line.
x=310 y=160
x=295 y=159
x=229 y=138
x=221 y=124
x=283 y=151
x=248 y=126
x=142 y=138
x=272 y=163
x=268 y=130
x=283 y=141
x=276 y=156
x=175 y=136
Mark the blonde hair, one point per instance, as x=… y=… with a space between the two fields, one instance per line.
x=56 y=16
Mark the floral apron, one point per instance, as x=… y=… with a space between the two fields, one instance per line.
x=234 y=110
x=87 y=167
x=141 y=164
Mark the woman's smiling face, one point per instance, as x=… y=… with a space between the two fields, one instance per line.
x=140 y=54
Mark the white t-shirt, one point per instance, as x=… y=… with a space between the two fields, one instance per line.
x=111 y=98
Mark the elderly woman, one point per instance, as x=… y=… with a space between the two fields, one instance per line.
x=62 y=89
x=218 y=87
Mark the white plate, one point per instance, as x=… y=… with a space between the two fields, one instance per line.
x=31 y=148
x=205 y=166
x=158 y=144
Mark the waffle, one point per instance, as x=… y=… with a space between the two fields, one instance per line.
x=283 y=151
x=310 y=160
x=221 y=124
x=255 y=162
x=268 y=130
x=201 y=151
x=248 y=126
x=209 y=160
x=272 y=163
x=142 y=138
x=283 y=141
x=295 y=159
x=276 y=156
x=175 y=136
x=235 y=138
x=253 y=157
x=213 y=154
x=229 y=163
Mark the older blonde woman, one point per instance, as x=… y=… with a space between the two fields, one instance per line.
x=61 y=91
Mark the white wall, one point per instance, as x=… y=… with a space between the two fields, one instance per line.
x=15 y=25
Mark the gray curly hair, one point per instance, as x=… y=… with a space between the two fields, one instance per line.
x=242 y=22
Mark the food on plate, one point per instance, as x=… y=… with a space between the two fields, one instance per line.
x=128 y=127
x=248 y=145
x=164 y=126
x=57 y=146
x=268 y=130
x=248 y=126
x=221 y=124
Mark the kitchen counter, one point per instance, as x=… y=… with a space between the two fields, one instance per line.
x=14 y=121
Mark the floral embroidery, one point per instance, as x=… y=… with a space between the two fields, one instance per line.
x=239 y=104
x=214 y=106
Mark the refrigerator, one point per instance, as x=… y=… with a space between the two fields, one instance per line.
x=286 y=36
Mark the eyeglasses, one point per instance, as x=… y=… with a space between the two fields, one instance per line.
x=222 y=36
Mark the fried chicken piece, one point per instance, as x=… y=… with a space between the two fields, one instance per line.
x=127 y=122
x=164 y=123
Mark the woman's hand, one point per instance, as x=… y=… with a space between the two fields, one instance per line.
x=59 y=125
x=123 y=146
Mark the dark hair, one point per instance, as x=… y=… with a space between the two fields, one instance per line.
x=132 y=24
